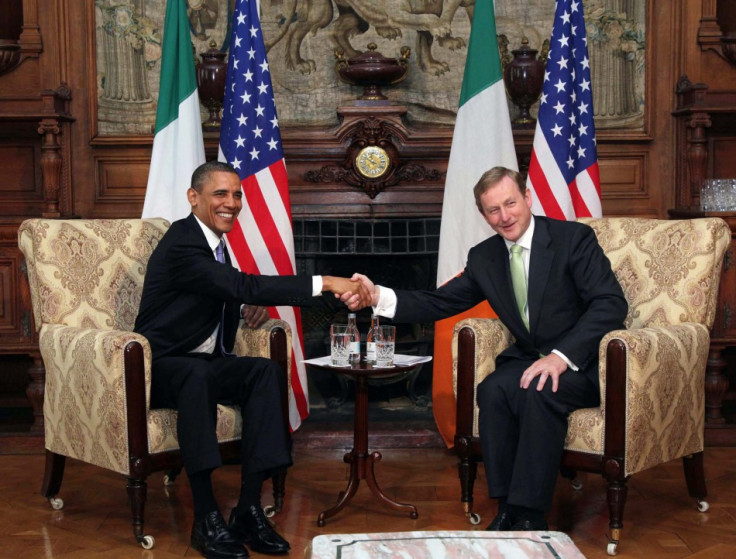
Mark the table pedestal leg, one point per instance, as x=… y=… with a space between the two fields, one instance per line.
x=358 y=459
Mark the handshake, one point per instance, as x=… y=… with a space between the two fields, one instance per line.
x=357 y=292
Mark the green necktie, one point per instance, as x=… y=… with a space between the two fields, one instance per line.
x=518 y=281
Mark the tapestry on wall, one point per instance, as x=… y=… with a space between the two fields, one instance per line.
x=302 y=36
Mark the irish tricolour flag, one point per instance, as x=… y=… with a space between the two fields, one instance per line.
x=482 y=139
x=178 y=147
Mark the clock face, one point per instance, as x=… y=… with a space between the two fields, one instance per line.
x=372 y=162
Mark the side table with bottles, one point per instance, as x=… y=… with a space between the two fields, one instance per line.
x=362 y=462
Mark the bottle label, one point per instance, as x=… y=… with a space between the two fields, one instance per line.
x=370 y=352
x=355 y=348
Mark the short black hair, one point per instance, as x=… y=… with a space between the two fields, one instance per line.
x=202 y=173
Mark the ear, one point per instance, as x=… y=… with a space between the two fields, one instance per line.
x=528 y=197
x=193 y=197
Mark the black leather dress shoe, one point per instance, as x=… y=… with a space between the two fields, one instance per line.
x=527 y=525
x=251 y=527
x=502 y=523
x=211 y=537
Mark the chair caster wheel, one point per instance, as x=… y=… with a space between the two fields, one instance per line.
x=147 y=542
x=56 y=503
x=703 y=506
x=612 y=548
x=474 y=518
x=269 y=511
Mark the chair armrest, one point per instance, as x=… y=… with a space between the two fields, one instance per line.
x=653 y=391
x=476 y=342
x=86 y=403
x=256 y=342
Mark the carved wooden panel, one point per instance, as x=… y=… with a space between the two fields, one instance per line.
x=20 y=163
x=624 y=175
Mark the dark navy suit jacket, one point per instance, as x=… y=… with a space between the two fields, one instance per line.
x=185 y=289
x=574 y=298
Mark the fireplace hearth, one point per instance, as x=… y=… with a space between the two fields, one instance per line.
x=399 y=253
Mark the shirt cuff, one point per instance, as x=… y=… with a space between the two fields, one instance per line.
x=316 y=286
x=386 y=302
x=570 y=364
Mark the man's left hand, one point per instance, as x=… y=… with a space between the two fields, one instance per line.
x=551 y=366
x=254 y=315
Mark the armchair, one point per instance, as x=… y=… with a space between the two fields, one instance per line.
x=86 y=279
x=652 y=373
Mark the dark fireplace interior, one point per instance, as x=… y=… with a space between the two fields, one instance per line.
x=398 y=253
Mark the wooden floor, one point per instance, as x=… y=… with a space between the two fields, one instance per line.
x=660 y=520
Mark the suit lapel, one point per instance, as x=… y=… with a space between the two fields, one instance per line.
x=540 y=262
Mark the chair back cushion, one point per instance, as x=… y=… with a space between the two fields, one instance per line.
x=667 y=268
x=88 y=272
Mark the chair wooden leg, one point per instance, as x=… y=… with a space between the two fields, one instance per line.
x=695 y=478
x=53 y=474
x=617 y=491
x=694 y=475
x=279 y=491
x=467 y=470
x=137 y=489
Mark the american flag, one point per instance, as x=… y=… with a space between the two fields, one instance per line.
x=563 y=171
x=262 y=241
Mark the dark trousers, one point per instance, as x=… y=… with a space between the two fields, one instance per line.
x=194 y=385
x=523 y=432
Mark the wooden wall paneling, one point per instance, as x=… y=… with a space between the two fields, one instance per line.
x=119 y=179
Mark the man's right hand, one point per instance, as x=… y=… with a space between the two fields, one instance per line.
x=354 y=300
x=348 y=288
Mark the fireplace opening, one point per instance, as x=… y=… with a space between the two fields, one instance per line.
x=398 y=253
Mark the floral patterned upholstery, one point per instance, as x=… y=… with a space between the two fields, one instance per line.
x=669 y=272
x=86 y=279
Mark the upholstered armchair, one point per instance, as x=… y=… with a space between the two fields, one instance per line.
x=651 y=374
x=86 y=279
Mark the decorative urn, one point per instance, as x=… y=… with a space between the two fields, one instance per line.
x=211 y=77
x=372 y=70
x=524 y=76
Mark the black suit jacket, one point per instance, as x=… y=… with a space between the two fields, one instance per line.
x=574 y=298
x=185 y=289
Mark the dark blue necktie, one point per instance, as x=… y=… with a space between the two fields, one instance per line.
x=220 y=256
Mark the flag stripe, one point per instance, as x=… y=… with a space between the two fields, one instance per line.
x=537 y=180
x=240 y=251
x=262 y=212
x=482 y=139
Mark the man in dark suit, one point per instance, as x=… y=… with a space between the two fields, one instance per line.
x=192 y=302
x=572 y=300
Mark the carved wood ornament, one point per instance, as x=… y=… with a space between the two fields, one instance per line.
x=372 y=159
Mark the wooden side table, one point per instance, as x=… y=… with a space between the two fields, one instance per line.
x=361 y=462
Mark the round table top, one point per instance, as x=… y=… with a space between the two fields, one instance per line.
x=364 y=369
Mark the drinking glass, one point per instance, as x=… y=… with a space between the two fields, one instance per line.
x=339 y=345
x=385 y=345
